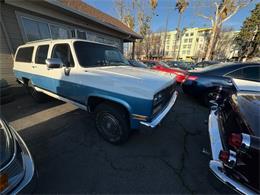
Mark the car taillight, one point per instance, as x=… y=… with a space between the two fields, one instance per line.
x=244 y=142
x=228 y=158
x=192 y=78
x=224 y=155
x=235 y=140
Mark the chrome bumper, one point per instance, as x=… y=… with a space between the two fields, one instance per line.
x=216 y=166
x=27 y=184
x=160 y=116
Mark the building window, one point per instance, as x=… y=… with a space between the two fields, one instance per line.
x=187 y=34
x=188 y=52
x=41 y=54
x=190 y=40
x=183 y=51
x=58 y=32
x=35 y=30
x=184 y=46
x=185 y=40
x=81 y=34
x=189 y=46
x=191 y=34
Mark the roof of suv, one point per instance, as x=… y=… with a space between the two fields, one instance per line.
x=48 y=41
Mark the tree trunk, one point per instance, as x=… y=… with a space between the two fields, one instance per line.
x=211 y=43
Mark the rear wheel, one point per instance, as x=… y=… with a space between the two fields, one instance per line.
x=37 y=96
x=112 y=123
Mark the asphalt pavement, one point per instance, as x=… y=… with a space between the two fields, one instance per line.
x=70 y=157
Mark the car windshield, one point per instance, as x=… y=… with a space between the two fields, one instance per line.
x=164 y=64
x=93 y=55
x=137 y=64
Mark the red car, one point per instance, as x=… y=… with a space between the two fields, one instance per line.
x=161 y=66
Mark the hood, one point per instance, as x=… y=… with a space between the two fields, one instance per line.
x=248 y=106
x=131 y=80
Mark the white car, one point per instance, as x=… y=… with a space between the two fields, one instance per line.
x=97 y=78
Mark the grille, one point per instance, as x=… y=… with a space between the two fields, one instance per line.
x=167 y=94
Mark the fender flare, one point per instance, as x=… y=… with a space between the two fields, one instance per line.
x=112 y=99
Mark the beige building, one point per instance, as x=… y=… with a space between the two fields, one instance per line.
x=190 y=46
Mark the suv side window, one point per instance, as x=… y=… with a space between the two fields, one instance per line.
x=63 y=52
x=248 y=73
x=41 y=54
x=24 y=54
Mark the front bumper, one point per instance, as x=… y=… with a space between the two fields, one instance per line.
x=216 y=166
x=162 y=114
x=27 y=183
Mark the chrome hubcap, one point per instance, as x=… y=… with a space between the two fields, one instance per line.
x=109 y=126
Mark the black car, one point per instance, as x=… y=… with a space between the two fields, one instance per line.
x=138 y=64
x=204 y=83
x=234 y=131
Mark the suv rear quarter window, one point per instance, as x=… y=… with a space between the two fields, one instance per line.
x=41 y=54
x=24 y=54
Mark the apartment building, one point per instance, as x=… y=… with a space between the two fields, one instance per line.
x=191 y=45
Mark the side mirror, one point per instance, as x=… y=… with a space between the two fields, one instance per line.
x=54 y=63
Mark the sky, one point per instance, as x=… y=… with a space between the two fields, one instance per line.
x=189 y=19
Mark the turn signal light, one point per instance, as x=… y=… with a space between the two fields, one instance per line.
x=235 y=140
x=3 y=182
x=192 y=78
x=224 y=155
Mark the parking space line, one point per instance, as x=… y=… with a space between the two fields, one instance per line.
x=42 y=116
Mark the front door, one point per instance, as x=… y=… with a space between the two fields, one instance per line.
x=62 y=77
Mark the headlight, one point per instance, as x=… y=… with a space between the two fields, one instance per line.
x=157 y=98
x=11 y=162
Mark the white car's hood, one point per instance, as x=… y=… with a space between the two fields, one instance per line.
x=131 y=81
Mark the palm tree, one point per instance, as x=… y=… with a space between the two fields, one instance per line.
x=180 y=5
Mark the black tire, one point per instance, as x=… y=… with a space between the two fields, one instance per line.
x=37 y=96
x=112 y=123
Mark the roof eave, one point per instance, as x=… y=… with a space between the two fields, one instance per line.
x=60 y=5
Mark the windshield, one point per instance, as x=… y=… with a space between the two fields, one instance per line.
x=137 y=64
x=213 y=67
x=93 y=55
x=164 y=64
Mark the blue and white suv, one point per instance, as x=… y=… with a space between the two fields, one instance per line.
x=97 y=78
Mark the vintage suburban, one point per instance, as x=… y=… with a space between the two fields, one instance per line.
x=97 y=78
x=234 y=130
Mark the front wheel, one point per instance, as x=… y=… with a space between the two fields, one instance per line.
x=112 y=123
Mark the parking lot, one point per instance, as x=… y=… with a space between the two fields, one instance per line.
x=71 y=157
